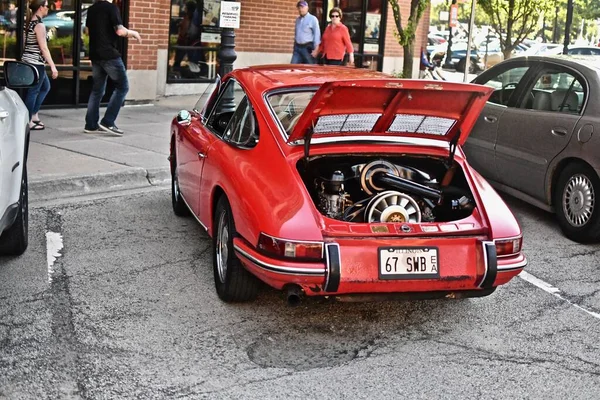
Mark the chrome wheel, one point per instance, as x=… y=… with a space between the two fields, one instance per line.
x=578 y=200
x=222 y=246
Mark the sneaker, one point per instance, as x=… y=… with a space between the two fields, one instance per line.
x=91 y=130
x=112 y=129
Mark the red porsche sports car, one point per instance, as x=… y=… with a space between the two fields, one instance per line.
x=340 y=182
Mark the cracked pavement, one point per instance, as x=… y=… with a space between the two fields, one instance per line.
x=131 y=312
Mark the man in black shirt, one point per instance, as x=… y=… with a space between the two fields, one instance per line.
x=104 y=27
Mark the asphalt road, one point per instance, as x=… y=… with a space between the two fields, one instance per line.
x=127 y=309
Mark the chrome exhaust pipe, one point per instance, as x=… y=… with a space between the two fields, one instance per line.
x=294 y=295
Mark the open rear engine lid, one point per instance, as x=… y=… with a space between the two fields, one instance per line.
x=444 y=111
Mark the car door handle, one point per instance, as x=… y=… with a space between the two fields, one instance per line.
x=559 y=132
x=490 y=118
x=201 y=155
x=4 y=114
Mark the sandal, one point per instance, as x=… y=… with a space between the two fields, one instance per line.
x=37 y=126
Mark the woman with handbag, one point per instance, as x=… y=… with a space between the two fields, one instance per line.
x=37 y=54
x=335 y=41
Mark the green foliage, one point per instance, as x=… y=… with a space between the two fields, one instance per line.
x=514 y=19
x=406 y=33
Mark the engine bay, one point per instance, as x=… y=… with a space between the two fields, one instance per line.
x=397 y=189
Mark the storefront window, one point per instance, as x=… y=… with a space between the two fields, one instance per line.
x=194 y=38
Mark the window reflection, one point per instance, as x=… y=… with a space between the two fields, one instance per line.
x=194 y=38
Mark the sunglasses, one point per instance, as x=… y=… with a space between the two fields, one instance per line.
x=334 y=16
x=44 y=5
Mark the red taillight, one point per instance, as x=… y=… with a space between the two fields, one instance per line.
x=508 y=247
x=289 y=248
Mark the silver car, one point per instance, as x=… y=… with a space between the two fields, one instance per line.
x=538 y=137
x=14 y=142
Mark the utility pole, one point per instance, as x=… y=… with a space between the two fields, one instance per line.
x=568 y=26
x=469 y=41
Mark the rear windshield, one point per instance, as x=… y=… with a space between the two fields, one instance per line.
x=288 y=107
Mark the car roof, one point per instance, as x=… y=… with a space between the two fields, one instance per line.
x=592 y=62
x=265 y=77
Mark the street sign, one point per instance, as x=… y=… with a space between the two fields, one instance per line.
x=453 y=15
x=230 y=14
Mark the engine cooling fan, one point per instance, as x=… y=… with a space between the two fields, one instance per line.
x=392 y=206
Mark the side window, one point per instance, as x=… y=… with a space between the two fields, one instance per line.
x=505 y=85
x=229 y=98
x=242 y=130
x=557 y=91
x=206 y=102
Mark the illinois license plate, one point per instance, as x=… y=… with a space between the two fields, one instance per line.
x=408 y=263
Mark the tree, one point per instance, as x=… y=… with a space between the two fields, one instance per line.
x=514 y=20
x=406 y=34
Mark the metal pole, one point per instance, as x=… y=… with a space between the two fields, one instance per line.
x=568 y=27
x=448 y=62
x=469 y=41
x=227 y=54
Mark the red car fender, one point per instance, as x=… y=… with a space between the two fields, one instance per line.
x=502 y=223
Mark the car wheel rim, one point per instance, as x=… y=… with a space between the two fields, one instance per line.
x=222 y=249
x=578 y=200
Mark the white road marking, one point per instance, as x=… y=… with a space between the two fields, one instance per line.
x=54 y=244
x=546 y=287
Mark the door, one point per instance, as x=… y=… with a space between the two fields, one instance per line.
x=539 y=128
x=192 y=144
x=480 y=147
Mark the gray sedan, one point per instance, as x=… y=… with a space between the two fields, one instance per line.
x=538 y=137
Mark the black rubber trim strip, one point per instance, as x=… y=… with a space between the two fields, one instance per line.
x=15 y=166
x=332 y=252
x=492 y=265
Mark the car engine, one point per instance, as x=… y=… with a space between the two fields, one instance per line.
x=381 y=190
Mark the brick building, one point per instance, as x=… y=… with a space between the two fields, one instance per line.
x=180 y=39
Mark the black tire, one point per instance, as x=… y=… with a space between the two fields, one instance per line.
x=179 y=207
x=460 y=67
x=232 y=281
x=575 y=200
x=15 y=239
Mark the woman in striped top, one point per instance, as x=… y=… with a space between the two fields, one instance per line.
x=37 y=54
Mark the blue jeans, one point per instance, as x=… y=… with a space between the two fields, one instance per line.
x=35 y=96
x=101 y=70
x=302 y=55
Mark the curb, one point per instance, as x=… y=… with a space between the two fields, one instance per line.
x=71 y=186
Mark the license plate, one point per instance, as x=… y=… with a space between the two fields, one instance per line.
x=408 y=263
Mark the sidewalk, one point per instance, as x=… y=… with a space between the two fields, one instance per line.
x=64 y=161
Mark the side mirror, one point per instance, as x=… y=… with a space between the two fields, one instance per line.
x=20 y=75
x=184 y=118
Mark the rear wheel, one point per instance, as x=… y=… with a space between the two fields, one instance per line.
x=14 y=241
x=576 y=203
x=232 y=281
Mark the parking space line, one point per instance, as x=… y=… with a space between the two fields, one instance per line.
x=54 y=244
x=546 y=287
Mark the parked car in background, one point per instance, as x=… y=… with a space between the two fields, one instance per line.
x=576 y=50
x=319 y=195
x=14 y=143
x=459 y=58
x=538 y=49
x=537 y=137
x=491 y=53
